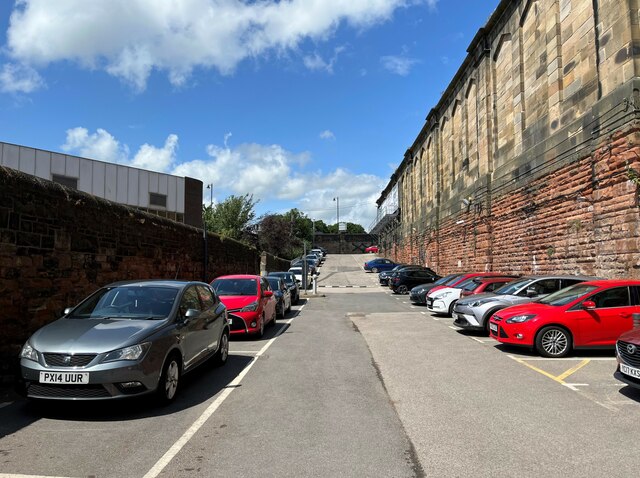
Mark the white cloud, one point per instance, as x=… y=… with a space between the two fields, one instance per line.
x=102 y=146
x=327 y=134
x=18 y=78
x=316 y=62
x=131 y=38
x=270 y=172
x=399 y=65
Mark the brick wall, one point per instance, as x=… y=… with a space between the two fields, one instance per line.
x=582 y=218
x=58 y=244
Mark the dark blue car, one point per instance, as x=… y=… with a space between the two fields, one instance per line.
x=379 y=265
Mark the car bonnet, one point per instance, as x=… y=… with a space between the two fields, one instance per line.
x=73 y=336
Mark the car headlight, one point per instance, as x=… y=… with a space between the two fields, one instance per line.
x=518 y=319
x=28 y=352
x=443 y=295
x=135 y=352
x=252 y=307
x=480 y=302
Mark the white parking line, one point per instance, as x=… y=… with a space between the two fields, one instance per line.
x=210 y=410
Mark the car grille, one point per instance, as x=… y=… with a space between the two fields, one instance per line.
x=429 y=301
x=67 y=391
x=67 y=360
x=237 y=323
x=629 y=359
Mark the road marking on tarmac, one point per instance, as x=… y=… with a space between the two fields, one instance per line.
x=557 y=378
x=15 y=475
x=162 y=463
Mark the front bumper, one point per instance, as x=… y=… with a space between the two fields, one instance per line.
x=438 y=306
x=106 y=380
x=513 y=334
x=631 y=381
x=417 y=298
x=240 y=323
x=465 y=319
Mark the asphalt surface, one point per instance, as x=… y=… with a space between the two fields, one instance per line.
x=356 y=382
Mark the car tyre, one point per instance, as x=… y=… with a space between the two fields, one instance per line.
x=222 y=354
x=553 y=342
x=169 y=379
x=450 y=313
x=374 y=270
x=402 y=289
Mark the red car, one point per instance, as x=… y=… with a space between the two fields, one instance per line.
x=372 y=249
x=628 y=356
x=250 y=303
x=587 y=315
x=479 y=285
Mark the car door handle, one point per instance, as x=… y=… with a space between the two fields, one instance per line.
x=625 y=316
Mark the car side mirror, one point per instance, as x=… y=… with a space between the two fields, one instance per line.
x=532 y=292
x=267 y=293
x=588 y=305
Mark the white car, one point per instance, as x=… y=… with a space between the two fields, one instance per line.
x=297 y=272
x=442 y=301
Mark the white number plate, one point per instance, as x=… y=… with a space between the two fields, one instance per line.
x=493 y=327
x=76 y=378
x=631 y=371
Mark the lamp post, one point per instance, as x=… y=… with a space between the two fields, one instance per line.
x=337 y=200
x=210 y=187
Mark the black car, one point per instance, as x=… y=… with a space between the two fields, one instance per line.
x=404 y=280
x=394 y=272
x=418 y=295
x=291 y=282
x=383 y=276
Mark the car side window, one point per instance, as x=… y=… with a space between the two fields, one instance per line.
x=616 y=297
x=493 y=286
x=568 y=282
x=190 y=300
x=206 y=297
x=544 y=286
x=264 y=285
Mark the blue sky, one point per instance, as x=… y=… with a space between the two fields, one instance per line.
x=295 y=102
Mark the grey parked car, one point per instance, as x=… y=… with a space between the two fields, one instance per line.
x=474 y=312
x=127 y=339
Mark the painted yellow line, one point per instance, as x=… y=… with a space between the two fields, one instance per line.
x=539 y=370
x=573 y=370
x=556 y=378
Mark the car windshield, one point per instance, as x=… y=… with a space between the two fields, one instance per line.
x=286 y=276
x=512 y=287
x=452 y=280
x=568 y=294
x=128 y=302
x=274 y=282
x=469 y=284
x=235 y=286
x=444 y=280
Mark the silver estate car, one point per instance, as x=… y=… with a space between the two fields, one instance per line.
x=473 y=312
x=126 y=339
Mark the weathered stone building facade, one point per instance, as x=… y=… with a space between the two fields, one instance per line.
x=530 y=162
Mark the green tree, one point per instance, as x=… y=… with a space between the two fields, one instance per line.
x=231 y=217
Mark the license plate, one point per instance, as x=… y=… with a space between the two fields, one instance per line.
x=493 y=327
x=78 y=378
x=631 y=371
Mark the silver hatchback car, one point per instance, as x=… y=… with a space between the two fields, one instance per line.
x=126 y=339
x=473 y=313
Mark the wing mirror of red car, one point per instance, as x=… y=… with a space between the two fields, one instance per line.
x=267 y=293
x=589 y=305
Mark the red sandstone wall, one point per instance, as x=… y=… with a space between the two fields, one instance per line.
x=581 y=219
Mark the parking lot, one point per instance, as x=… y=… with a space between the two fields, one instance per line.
x=354 y=382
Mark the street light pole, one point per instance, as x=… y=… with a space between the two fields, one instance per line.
x=337 y=200
x=210 y=187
